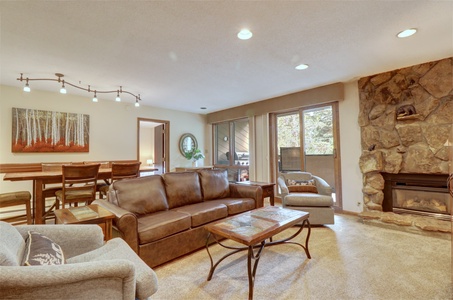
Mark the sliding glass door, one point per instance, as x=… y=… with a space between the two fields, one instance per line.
x=307 y=140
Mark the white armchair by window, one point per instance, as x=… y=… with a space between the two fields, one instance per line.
x=306 y=192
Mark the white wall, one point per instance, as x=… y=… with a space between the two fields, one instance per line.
x=350 y=149
x=113 y=128
x=146 y=144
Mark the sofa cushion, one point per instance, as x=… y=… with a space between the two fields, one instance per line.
x=12 y=245
x=236 y=206
x=205 y=212
x=156 y=226
x=183 y=188
x=301 y=186
x=41 y=250
x=144 y=195
x=214 y=184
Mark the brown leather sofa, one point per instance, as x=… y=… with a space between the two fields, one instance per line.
x=162 y=217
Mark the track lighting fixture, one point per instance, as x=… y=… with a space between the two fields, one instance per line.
x=95 y=99
x=118 y=99
x=63 y=89
x=26 y=87
x=89 y=90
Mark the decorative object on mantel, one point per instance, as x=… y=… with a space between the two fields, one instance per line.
x=406 y=112
x=89 y=89
x=49 y=131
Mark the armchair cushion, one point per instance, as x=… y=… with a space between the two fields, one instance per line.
x=12 y=246
x=302 y=189
x=41 y=250
x=146 y=279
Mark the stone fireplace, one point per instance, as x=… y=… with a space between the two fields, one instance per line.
x=421 y=194
x=406 y=119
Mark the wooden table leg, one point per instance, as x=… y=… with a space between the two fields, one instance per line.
x=38 y=202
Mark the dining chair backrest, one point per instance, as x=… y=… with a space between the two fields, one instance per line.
x=79 y=181
x=103 y=164
x=125 y=170
x=51 y=167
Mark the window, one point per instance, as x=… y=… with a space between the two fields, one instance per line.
x=231 y=148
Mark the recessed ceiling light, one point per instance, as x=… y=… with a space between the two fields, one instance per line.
x=301 y=67
x=406 y=33
x=245 y=34
x=202 y=107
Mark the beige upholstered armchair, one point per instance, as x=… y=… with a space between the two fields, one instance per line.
x=306 y=192
x=92 y=269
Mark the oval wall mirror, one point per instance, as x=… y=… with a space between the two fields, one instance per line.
x=187 y=143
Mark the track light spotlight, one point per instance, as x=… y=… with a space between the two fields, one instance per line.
x=95 y=99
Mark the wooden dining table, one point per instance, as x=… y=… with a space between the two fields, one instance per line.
x=41 y=178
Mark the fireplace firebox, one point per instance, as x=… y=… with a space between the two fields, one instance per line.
x=423 y=194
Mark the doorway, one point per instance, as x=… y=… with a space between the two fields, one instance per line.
x=307 y=140
x=153 y=144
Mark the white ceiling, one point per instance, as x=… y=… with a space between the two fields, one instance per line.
x=185 y=54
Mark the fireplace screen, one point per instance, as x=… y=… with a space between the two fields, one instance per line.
x=426 y=201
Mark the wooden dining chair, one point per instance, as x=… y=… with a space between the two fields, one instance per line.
x=49 y=190
x=79 y=184
x=100 y=183
x=122 y=171
x=15 y=200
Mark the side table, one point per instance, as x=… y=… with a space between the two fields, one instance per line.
x=90 y=214
x=267 y=187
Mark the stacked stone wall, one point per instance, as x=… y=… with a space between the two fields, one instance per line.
x=406 y=117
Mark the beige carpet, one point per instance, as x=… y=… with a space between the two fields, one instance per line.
x=350 y=260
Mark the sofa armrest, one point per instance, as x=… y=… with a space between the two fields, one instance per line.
x=323 y=187
x=247 y=191
x=283 y=188
x=125 y=222
x=73 y=239
x=113 y=279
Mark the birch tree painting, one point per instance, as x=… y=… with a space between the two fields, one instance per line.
x=49 y=131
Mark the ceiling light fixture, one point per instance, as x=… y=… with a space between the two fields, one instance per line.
x=245 y=34
x=118 y=99
x=63 y=89
x=95 y=99
x=89 y=90
x=26 y=87
x=302 y=67
x=406 y=33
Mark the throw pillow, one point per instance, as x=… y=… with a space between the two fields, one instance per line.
x=302 y=189
x=41 y=250
x=302 y=186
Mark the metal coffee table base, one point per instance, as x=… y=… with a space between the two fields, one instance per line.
x=256 y=256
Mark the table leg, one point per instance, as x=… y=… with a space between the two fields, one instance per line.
x=271 y=198
x=251 y=273
x=39 y=202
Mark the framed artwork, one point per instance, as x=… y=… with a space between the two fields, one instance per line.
x=49 y=131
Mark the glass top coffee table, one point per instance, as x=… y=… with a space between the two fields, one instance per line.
x=255 y=229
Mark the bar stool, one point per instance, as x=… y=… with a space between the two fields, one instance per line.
x=15 y=199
